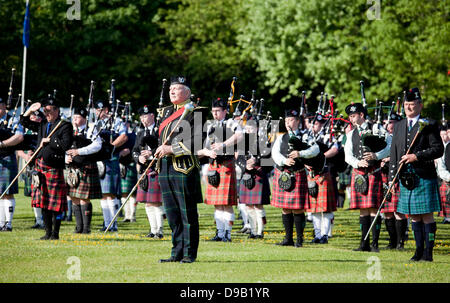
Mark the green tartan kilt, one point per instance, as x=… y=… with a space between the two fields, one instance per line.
x=89 y=186
x=130 y=179
x=8 y=171
x=423 y=199
x=26 y=185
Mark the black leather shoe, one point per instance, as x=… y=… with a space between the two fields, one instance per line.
x=315 y=241
x=417 y=256
x=171 y=259
x=251 y=236
x=216 y=238
x=286 y=243
x=187 y=260
x=150 y=235
x=259 y=237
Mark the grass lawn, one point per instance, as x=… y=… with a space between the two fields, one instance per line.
x=128 y=256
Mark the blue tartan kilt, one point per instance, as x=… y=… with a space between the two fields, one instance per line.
x=111 y=182
x=258 y=195
x=8 y=170
x=423 y=199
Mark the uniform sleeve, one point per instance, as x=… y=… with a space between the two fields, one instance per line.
x=442 y=171
x=277 y=157
x=385 y=151
x=348 y=150
x=92 y=148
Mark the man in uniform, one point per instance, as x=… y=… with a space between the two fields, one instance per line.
x=290 y=186
x=78 y=160
x=49 y=189
x=396 y=223
x=367 y=183
x=149 y=191
x=221 y=186
x=179 y=175
x=114 y=133
x=419 y=192
x=443 y=169
x=11 y=133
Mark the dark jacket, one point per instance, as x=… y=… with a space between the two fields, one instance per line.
x=52 y=153
x=427 y=147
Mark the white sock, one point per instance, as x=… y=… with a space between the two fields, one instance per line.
x=126 y=209
x=105 y=210
x=10 y=206
x=331 y=219
x=150 y=210
x=114 y=207
x=2 y=213
x=38 y=216
x=132 y=203
x=218 y=216
x=159 y=213
x=317 y=222
x=252 y=219
x=244 y=214
x=228 y=222
x=260 y=213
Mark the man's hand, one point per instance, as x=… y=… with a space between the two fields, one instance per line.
x=72 y=152
x=44 y=141
x=124 y=152
x=289 y=162
x=294 y=154
x=369 y=156
x=163 y=150
x=363 y=163
x=250 y=164
x=409 y=158
x=217 y=146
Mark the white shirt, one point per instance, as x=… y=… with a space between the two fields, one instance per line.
x=442 y=171
x=92 y=148
x=280 y=160
x=414 y=120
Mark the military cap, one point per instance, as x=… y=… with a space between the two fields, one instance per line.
x=80 y=111
x=180 y=80
x=50 y=101
x=355 y=108
x=413 y=94
x=320 y=118
x=146 y=109
x=219 y=102
x=395 y=117
x=291 y=113
x=101 y=104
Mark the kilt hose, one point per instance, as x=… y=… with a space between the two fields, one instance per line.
x=89 y=187
x=390 y=206
x=326 y=198
x=110 y=184
x=423 y=199
x=374 y=194
x=8 y=171
x=445 y=204
x=180 y=195
x=226 y=192
x=130 y=179
x=52 y=192
x=295 y=199
x=153 y=193
x=258 y=195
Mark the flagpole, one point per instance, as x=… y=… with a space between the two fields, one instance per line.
x=25 y=44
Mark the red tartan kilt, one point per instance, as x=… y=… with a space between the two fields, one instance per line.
x=153 y=193
x=52 y=193
x=295 y=199
x=326 y=198
x=226 y=192
x=89 y=187
x=390 y=206
x=374 y=194
x=445 y=205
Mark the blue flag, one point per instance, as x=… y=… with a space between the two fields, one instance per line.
x=26 y=27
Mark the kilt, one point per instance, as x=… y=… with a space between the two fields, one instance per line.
x=181 y=193
x=110 y=184
x=226 y=192
x=130 y=179
x=423 y=199
x=258 y=195
x=445 y=205
x=89 y=187
x=374 y=194
x=26 y=185
x=153 y=193
x=52 y=192
x=326 y=198
x=390 y=206
x=344 y=179
x=8 y=171
x=295 y=199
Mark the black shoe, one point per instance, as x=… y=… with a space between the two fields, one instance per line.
x=54 y=236
x=315 y=241
x=446 y=221
x=36 y=226
x=45 y=237
x=226 y=239
x=126 y=220
x=5 y=228
x=259 y=237
x=323 y=240
x=299 y=243
x=417 y=255
x=243 y=230
x=251 y=236
x=374 y=249
x=159 y=236
x=171 y=259
x=216 y=239
x=286 y=242
x=188 y=260
x=150 y=235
